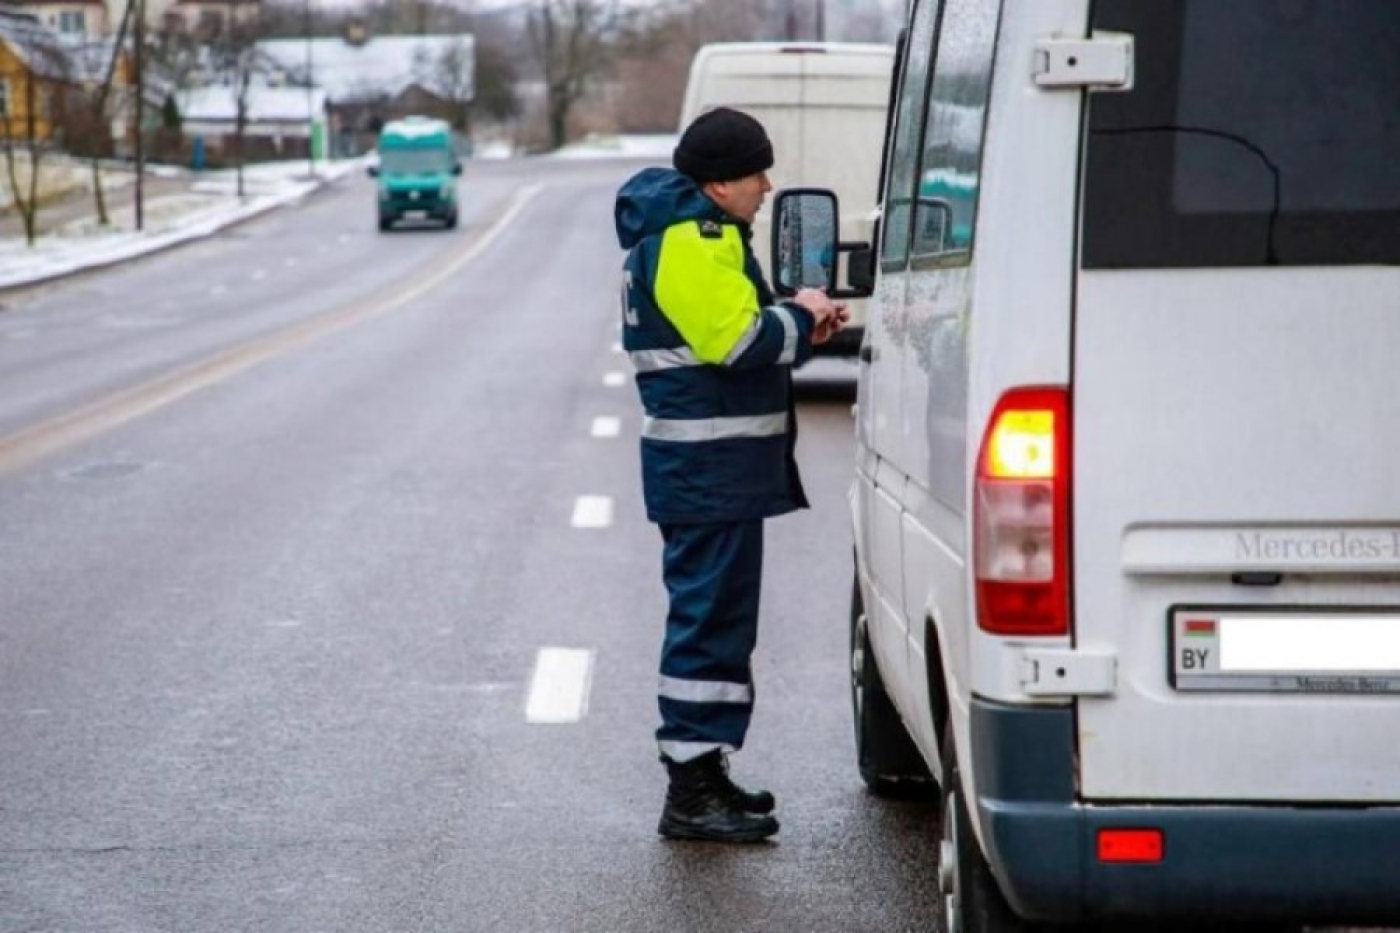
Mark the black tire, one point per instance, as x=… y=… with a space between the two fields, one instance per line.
x=889 y=762
x=385 y=223
x=451 y=222
x=969 y=900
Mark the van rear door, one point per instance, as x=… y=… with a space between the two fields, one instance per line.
x=1236 y=468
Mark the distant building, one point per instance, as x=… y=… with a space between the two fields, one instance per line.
x=279 y=122
x=36 y=75
x=68 y=18
x=368 y=81
x=102 y=18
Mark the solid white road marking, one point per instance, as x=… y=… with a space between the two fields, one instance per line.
x=593 y=512
x=613 y=379
x=607 y=427
x=559 y=687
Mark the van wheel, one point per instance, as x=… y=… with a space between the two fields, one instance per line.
x=969 y=900
x=888 y=760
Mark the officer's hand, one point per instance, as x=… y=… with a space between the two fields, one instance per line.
x=832 y=325
x=815 y=301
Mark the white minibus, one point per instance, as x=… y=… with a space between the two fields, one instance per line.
x=1125 y=504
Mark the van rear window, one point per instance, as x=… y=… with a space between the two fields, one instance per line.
x=1258 y=132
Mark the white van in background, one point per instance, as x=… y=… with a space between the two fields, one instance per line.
x=1126 y=507
x=823 y=105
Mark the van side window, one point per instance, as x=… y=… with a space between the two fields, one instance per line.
x=957 y=112
x=899 y=186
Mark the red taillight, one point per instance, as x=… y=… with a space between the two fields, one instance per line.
x=1021 y=515
x=1130 y=845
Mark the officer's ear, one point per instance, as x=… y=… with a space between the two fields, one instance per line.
x=721 y=192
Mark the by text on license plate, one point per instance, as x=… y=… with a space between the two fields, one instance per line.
x=1306 y=650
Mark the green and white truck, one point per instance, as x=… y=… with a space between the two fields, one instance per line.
x=417 y=171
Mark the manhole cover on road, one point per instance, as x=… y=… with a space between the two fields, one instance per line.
x=104 y=470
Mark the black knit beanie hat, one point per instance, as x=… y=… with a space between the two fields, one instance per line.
x=721 y=145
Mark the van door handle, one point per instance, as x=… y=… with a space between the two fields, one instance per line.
x=867 y=353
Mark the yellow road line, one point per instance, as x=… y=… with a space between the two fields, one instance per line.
x=33 y=443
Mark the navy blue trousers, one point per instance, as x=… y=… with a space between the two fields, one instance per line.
x=713 y=574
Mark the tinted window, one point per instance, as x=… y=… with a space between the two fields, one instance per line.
x=957 y=111
x=894 y=237
x=1259 y=132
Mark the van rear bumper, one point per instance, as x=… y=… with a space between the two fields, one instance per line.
x=1314 y=863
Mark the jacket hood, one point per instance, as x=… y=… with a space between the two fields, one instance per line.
x=654 y=199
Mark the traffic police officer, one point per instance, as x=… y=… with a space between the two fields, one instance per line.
x=713 y=352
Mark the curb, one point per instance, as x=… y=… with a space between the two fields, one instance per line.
x=125 y=252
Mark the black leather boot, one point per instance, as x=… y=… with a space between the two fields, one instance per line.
x=750 y=801
x=700 y=805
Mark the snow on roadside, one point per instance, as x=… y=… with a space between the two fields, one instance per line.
x=210 y=206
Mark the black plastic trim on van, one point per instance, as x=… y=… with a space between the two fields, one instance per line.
x=1314 y=863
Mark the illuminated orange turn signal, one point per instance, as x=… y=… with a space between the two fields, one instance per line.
x=1131 y=845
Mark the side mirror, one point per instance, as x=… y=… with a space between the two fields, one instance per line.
x=456 y=168
x=805 y=225
x=372 y=171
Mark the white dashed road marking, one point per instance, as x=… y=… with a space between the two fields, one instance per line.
x=607 y=427
x=593 y=512
x=613 y=379
x=559 y=687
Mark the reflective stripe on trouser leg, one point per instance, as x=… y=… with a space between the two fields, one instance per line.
x=712 y=573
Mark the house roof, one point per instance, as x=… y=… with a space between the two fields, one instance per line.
x=37 y=46
x=382 y=66
x=89 y=58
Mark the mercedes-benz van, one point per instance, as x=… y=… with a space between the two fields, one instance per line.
x=823 y=105
x=1125 y=506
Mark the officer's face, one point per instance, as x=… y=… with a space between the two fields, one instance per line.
x=741 y=197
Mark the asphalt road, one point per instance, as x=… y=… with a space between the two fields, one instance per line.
x=288 y=518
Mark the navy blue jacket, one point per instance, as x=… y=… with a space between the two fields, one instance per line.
x=713 y=353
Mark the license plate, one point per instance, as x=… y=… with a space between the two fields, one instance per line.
x=1285 y=650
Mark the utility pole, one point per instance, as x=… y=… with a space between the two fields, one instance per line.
x=310 y=95
x=140 y=69
x=821 y=20
x=791 y=30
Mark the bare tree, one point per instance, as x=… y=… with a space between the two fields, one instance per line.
x=496 y=77
x=571 y=40
x=654 y=55
x=236 y=50
x=42 y=78
x=99 y=100
x=453 y=78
